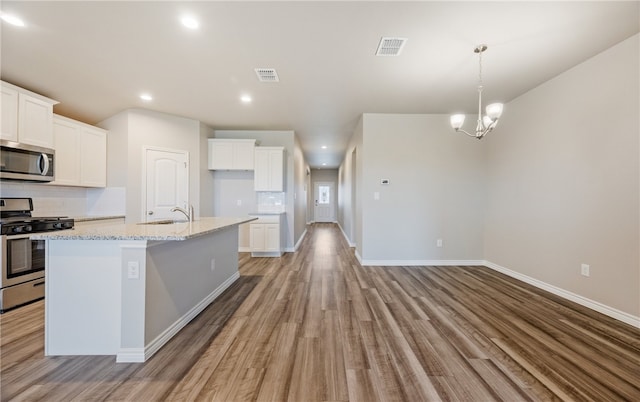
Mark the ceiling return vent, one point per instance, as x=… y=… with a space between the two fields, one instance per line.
x=390 y=46
x=267 y=75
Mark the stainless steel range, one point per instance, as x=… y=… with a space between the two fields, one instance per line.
x=23 y=259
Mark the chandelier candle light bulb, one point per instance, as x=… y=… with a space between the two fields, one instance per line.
x=487 y=122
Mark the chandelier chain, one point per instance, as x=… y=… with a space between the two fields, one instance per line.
x=480 y=70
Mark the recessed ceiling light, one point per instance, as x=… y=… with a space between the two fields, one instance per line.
x=12 y=19
x=245 y=99
x=324 y=147
x=324 y=164
x=146 y=97
x=190 y=22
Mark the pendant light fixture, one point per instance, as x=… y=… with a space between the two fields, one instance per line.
x=487 y=122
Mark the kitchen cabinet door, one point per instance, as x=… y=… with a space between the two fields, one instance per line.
x=9 y=106
x=272 y=237
x=35 y=118
x=231 y=154
x=93 y=157
x=269 y=169
x=81 y=154
x=67 y=145
x=26 y=116
x=256 y=237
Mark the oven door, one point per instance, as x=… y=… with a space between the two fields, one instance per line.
x=23 y=259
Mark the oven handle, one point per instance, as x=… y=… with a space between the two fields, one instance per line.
x=17 y=236
x=43 y=164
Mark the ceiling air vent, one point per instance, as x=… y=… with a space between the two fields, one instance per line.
x=267 y=75
x=390 y=46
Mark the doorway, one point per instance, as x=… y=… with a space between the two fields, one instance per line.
x=324 y=196
x=166 y=183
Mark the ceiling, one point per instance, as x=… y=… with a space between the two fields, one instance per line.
x=96 y=58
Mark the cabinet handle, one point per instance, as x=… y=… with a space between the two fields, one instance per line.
x=150 y=213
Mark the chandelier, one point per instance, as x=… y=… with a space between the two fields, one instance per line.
x=487 y=122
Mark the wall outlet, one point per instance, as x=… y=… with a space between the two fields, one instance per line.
x=584 y=270
x=439 y=243
x=133 y=270
x=239 y=203
x=376 y=195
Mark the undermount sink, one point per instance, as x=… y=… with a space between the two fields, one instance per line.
x=163 y=222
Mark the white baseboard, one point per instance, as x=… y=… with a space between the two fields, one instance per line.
x=581 y=300
x=244 y=249
x=358 y=257
x=407 y=263
x=130 y=355
x=297 y=246
x=351 y=244
x=139 y=355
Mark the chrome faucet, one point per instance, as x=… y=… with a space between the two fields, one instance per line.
x=189 y=214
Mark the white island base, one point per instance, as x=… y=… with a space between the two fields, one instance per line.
x=129 y=297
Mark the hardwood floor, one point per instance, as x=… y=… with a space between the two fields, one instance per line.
x=316 y=326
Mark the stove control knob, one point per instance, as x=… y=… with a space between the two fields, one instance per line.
x=17 y=229
x=27 y=228
x=57 y=225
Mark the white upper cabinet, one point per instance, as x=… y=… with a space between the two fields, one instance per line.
x=9 y=108
x=231 y=154
x=81 y=154
x=269 y=169
x=26 y=116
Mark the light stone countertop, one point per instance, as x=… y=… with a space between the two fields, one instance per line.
x=88 y=218
x=266 y=213
x=158 y=232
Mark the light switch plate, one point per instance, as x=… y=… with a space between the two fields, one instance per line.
x=133 y=270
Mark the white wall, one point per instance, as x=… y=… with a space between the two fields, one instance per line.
x=300 y=191
x=206 y=179
x=136 y=128
x=563 y=181
x=350 y=189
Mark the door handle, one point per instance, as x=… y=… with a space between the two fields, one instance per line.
x=150 y=213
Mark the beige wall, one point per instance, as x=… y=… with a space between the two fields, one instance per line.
x=436 y=191
x=563 y=181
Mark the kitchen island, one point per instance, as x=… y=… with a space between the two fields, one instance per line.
x=127 y=289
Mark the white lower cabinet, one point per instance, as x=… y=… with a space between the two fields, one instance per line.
x=81 y=154
x=265 y=236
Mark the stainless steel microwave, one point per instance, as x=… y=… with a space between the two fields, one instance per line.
x=25 y=162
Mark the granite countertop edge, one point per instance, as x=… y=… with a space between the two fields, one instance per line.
x=88 y=218
x=163 y=232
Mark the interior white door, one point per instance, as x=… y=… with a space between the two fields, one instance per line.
x=324 y=202
x=167 y=183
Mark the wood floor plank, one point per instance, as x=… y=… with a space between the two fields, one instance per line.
x=315 y=325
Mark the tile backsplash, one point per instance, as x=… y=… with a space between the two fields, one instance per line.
x=271 y=201
x=49 y=200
